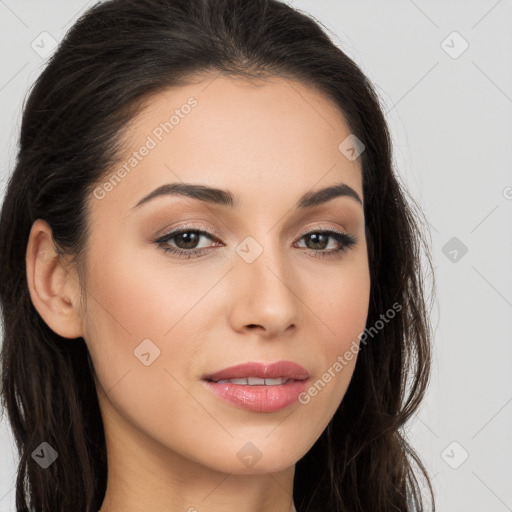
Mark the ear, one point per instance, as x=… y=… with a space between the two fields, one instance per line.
x=54 y=289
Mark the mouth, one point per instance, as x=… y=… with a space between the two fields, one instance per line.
x=259 y=374
x=259 y=387
x=254 y=381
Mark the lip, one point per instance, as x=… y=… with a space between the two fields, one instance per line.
x=279 y=369
x=259 y=398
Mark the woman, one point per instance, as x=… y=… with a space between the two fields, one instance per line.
x=211 y=282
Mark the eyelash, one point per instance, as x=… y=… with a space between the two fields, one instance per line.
x=345 y=239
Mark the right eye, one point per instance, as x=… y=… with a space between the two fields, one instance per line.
x=183 y=236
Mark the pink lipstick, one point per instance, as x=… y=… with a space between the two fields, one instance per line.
x=258 y=386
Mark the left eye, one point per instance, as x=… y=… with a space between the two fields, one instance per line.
x=187 y=239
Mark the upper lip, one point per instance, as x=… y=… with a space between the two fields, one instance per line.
x=279 y=369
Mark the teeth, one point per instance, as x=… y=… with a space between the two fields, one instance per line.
x=236 y=381
x=255 y=381
x=274 y=382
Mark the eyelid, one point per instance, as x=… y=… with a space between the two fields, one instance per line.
x=346 y=239
x=192 y=227
x=323 y=227
x=215 y=233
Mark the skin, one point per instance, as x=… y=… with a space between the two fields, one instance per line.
x=172 y=445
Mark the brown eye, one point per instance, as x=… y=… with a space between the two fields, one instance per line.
x=318 y=241
x=188 y=239
x=184 y=242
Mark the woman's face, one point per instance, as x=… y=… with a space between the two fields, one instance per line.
x=254 y=288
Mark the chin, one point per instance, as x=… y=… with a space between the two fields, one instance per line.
x=260 y=457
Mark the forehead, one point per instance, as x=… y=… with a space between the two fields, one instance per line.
x=271 y=136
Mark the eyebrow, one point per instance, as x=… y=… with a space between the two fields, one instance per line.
x=226 y=198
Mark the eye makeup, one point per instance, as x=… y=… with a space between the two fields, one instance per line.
x=191 y=234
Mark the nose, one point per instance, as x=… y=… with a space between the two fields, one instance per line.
x=266 y=296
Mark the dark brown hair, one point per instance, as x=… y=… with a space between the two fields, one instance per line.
x=114 y=58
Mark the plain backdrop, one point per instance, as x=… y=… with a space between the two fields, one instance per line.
x=443 y=72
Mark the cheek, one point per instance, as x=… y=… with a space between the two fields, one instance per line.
x=341 y=311
x=141 y=311
x=135 y=323
x=141 y=297
x=341 y=303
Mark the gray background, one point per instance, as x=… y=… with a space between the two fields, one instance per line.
x=450 y=117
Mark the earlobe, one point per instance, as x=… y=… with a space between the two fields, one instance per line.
x=53 y=289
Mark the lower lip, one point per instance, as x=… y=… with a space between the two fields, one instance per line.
x=259 y=398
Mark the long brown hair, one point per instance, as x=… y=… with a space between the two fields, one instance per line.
x=117 y=55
